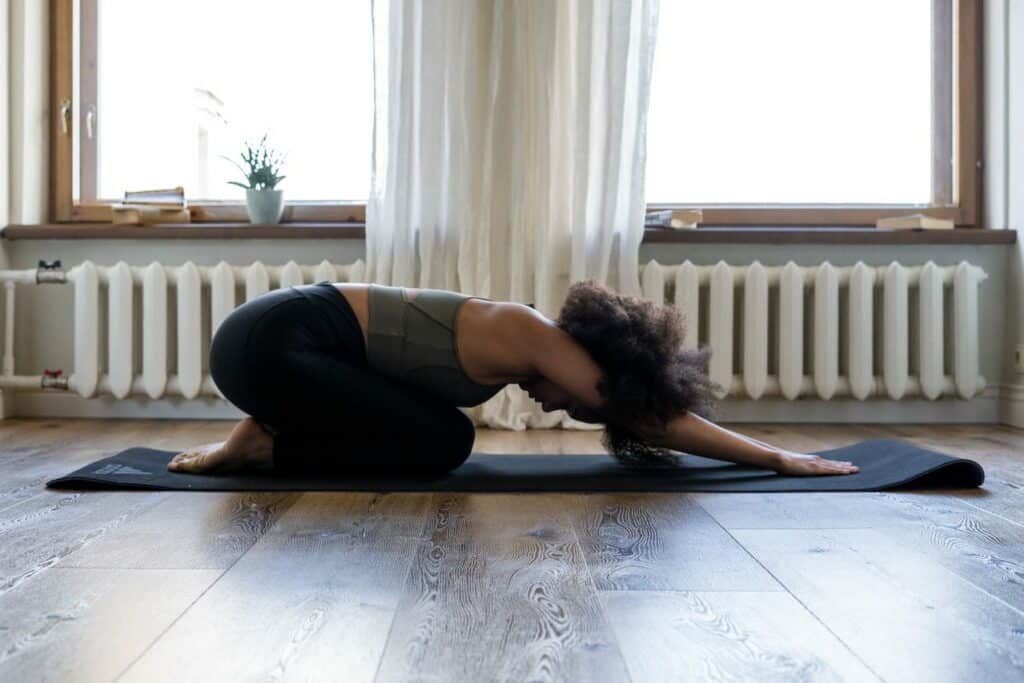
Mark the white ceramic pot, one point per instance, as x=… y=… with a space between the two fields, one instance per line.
x=265 y=206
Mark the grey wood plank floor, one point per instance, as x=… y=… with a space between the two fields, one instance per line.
x=476 y=587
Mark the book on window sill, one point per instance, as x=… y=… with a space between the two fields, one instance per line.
x=917 y=221
x=674 y=218
x=143 y=214
x=172 y=198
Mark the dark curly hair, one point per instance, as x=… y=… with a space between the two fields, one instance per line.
x=648 y=377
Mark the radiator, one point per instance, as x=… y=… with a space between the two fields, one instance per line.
x=194 y=322
x=829 y=332
x=817 y=331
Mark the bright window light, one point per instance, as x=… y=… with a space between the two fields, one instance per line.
x=182 y=83
x=791 y=102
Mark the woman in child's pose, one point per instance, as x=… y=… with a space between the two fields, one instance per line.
x=353 y=376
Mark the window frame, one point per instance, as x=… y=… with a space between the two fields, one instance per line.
x=961 y=126
x=957 y=77
x=63 y=206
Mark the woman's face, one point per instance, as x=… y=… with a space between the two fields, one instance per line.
x=553 y=397
x=548 y=394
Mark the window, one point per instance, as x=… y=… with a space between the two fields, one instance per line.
x=803 y=109
x=165 y=91
x=762 y=113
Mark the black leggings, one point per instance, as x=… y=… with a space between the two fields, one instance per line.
x=294 y=359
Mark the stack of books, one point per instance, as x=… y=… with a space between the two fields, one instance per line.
x=674 y=218
x=917 y=221
x=148 y=207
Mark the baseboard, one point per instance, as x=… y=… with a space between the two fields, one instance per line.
x=6 y=404
x=984 y=410
x=1011 y=408
x=981 y=410
x=37 y=404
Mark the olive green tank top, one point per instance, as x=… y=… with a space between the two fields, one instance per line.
x=413 y=341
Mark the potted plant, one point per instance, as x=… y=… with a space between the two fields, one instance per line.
x=262 y=173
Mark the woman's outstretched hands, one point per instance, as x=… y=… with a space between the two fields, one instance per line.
x=801 y=464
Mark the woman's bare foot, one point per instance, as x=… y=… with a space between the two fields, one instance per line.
x=248 y=447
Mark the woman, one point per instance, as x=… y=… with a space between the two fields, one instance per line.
x=354 y=376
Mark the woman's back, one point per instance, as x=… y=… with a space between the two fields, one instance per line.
x=483 y=340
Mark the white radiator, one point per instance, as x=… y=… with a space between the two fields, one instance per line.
x=191 y=285
x=792 y=331
x=824 y=331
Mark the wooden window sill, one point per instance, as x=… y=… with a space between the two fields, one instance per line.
x=190 y=231
x=827 y=235
x=357 y=231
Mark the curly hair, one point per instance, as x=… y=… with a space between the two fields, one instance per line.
x=647 y=375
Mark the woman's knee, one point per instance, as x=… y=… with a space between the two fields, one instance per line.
x=227 y=363
x=234 y=345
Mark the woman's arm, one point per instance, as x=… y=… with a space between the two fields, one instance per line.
x=557 y=357
x=693 y=434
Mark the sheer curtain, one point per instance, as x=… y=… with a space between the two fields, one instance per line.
x=24 y=111
x=509 y=146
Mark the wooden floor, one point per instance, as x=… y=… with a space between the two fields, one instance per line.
x=448 y=587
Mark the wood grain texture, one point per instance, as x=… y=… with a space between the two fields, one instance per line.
x=89 y=624
x=187 y=530
x=40 y=527
x=24 y=473
x=311 y=599
x=661 y=542
x=730 y=636
x=538 y=441
x=29 y=458
x=985 y=549
x=982 y=548
x=998 y=449
x=501 y=577
x=906 y=617
x=356 y=586
x=835 y=510
x=46 y=529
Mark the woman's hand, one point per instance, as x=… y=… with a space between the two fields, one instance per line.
x=801 y=464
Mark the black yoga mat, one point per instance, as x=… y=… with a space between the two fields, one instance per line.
x=884 y=464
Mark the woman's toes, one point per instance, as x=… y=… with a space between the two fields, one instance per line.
x=184 y=463
x=198 y=459
x=223 y=457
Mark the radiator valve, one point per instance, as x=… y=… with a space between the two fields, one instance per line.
x=54 y=379
x=50 y=273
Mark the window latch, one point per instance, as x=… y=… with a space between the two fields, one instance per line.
x=90 y=122
x=65 y=115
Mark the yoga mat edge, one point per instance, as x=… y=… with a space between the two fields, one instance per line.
x=885 y=464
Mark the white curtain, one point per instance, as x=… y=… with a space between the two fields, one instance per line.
x=24 y=111
x=509 y=146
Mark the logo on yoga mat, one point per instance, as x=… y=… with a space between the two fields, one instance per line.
x=112 y=468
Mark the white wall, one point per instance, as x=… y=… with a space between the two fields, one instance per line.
x=6 y=398
x=1004 y=171
x=44 y=316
